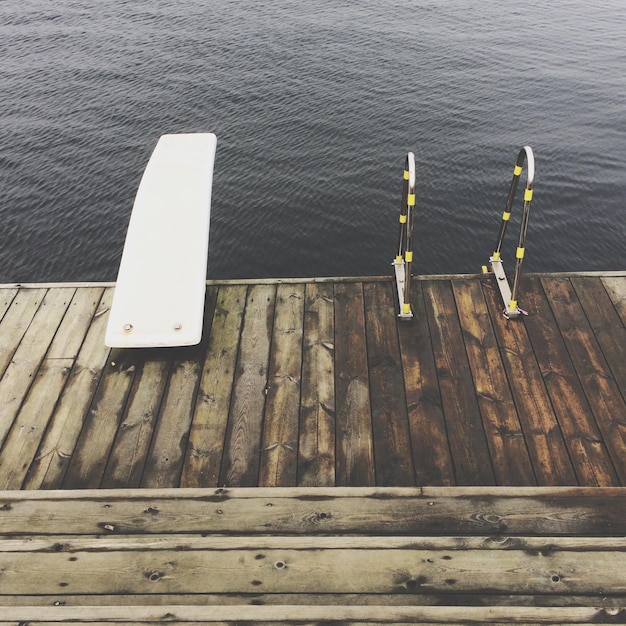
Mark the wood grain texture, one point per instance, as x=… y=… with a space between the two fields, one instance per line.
x=316 y=451
x=544 y=438
x=363 y=553
x=242 y=451
x=466 y=434
x=318 y=383
x=602 y=391
x=429 y=440
x=355 y=446
x=390 y=425
x=208 y=427
x=510 y=459
x=55 y=452
x=590 y=457
x=279 y=447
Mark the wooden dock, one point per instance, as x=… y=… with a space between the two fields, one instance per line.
x=315 y=451
x=318 y=384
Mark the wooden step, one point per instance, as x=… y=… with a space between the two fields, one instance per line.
x=314 y=555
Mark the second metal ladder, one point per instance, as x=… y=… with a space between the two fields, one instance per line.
x=509 y=295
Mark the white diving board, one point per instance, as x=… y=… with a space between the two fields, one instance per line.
x=161 y=284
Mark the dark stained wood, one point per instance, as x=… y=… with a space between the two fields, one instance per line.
x=431 y=451
x=510 y=459
x=317 y=383
x=607 y=327
x=470 y=453
x=390 y=425
x=590 y=457
x=355 y=447
x=544 y=439
x=603 y=394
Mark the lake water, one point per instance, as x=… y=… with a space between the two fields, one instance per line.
x=315 y=105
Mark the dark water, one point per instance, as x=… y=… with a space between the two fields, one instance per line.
x=315 y=105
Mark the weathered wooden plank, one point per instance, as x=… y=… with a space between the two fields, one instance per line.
x=616 y=288
x=606 y=324
x=174 y=541
x=603 y=394
x=279 y=453
x=470 y=453
x=28 y=356
x=614 y=601
x=127 y=460
x=208 y=428
x=425 y=615
x=323 y=570
x=50 y=465
x=587 y=450
x=30 y=424
x=354 y=439
x=164 y=463
x=316 y=451
x=71 y=333
x=509 y=455
x=390 y=425
x=240 y=465
x=429 y=440
x=543 y=435
x=7 y=294
x=18 y=313
x=427 y=511
x=102 y=420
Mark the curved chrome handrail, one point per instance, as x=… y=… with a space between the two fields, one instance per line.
x=527 y=156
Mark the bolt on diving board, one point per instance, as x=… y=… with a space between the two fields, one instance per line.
x=509 y=295
x=160 y=289
x=404 y=254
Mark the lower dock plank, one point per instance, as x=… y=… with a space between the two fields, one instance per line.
x=544 y=555
x=315 y=614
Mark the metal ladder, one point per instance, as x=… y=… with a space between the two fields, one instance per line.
x=509 y=296
x=404 y=255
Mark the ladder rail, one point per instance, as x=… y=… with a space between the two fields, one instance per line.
x=509 y=295
x=404 y=255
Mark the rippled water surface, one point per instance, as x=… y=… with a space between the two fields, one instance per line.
x=315 y=105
